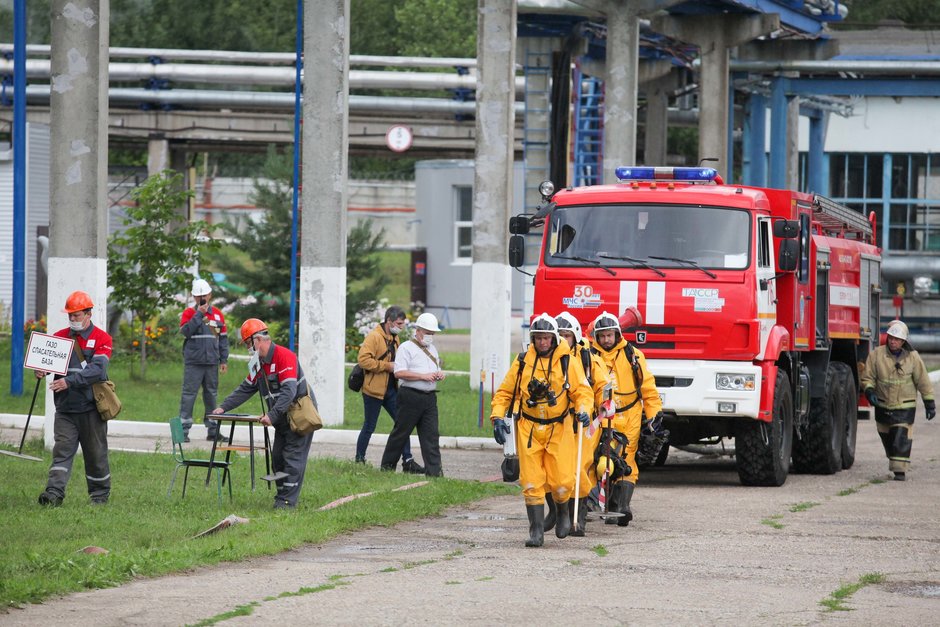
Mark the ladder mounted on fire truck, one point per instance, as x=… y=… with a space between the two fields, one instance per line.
x=836 y=219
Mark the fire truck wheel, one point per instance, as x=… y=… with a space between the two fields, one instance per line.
x=762 y=450
x=850 y=413
x=820 y=449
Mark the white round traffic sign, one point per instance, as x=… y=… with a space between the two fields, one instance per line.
x=399 y=138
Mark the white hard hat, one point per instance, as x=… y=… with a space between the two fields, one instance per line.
x=606 y=321
x=898 y=329
x=201 y=287
x=428 y=322
x=567 y=322
x=544 y=323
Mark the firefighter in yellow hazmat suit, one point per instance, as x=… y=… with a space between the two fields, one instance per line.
x=636 y=403
x=596 y=373
x=549 y=393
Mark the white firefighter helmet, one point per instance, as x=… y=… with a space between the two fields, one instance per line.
x=567 y=322
x=428 y=322
x=606 y=321
x=201 y=287
x=899 y=330
x=544 y=323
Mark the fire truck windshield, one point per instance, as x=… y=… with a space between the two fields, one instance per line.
x=709 y=237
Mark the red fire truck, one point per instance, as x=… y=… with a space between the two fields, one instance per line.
x=759 y=305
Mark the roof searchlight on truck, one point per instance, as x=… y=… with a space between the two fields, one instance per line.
x=759 y=305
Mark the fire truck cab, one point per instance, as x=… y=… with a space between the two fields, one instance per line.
x=759 y=305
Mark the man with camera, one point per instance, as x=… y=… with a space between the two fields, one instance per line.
x=549 y=393
x=636 y=401
x=205 y=354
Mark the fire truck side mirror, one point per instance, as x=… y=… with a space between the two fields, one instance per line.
x=518 y=225
x=786 y=229
x=789 y=255
x=516 y=251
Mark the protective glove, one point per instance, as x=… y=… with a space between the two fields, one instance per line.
x=583 y=418
x=500 y=430
x=870 y=395
x=655 y=424
x=931 y=408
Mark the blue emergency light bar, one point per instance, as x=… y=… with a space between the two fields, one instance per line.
x=626 y=173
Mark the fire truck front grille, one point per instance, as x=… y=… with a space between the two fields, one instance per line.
x=673 y=382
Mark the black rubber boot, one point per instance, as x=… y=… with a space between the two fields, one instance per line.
x=536 y=520
x=563 y=519
x=623 y=503
x=612 y=503
x=578 y=530
x=549 y=523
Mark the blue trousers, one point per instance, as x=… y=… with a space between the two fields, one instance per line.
x=372 y=407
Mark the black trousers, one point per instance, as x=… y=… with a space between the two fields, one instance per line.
x=416 y=410
x=896 y=429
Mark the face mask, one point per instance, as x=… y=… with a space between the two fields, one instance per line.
x=252 y=352
x=427 y=340
x=394 y=330
x=77 y=325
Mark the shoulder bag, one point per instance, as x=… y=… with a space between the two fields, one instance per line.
x=358 y=376
x=303 y=415
x=106 y=399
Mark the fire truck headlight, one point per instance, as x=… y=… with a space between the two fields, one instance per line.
x=734 y=382
x=546 y=189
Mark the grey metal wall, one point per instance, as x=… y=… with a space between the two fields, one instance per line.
x=448 y=294
x=37 y=214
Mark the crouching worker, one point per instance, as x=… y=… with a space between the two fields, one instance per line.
x=281 y=381
x=553 y=398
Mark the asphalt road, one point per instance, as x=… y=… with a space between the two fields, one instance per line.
x=702 y=550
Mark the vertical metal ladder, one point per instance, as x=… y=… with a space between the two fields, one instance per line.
x=588 y=129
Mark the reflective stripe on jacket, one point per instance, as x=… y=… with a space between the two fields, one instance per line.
x=896 y=380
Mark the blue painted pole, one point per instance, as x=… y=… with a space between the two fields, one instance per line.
x=756 y=141
x=19 y=195
x=817 y=175
x=778 y=134
x=295 y=219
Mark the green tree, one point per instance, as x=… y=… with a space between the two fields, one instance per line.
x=148 y=262
x=262 y=262
x=437 y=28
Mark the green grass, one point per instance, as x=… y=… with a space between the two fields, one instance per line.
x=802 y=507
x=157 y=399
x=835 y=602
x=147 y=534
x=773 y=521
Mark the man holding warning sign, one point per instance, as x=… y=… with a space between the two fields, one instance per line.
x=77 y=420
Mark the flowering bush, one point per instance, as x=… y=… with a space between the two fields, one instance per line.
x=160 y=337
x=35 y=325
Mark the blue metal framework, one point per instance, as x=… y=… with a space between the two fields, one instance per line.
x=588 y=129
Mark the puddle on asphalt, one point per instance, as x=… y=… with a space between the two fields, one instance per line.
x=483 y=517
x=922 y=589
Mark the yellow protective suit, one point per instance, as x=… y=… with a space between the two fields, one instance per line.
x=598 y=380
x=633 y=406
x=545 y=437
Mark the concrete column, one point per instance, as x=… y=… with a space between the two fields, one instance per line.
x=714 y=35
x=657 y=122
x=490 y=313
x=158 y=155
x=322 y=293
x=623 y=40
x=793 y=146
x=78 y=208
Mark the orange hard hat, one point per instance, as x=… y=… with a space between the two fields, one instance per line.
x=252 y=326
x=631 y=318
x=77 y=301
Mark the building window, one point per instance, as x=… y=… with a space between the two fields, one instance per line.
x=908 y=213
x=463 y=222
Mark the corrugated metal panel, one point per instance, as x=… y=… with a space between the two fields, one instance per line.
x=37 y=205
x=37 y=214
x=6 y=235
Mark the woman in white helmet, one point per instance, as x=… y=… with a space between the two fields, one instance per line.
x=894 y=373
